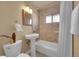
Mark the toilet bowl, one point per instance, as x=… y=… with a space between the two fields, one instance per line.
x=14 y=50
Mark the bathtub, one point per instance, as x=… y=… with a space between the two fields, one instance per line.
x=47 y=48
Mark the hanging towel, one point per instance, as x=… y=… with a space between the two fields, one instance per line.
x=75 y=21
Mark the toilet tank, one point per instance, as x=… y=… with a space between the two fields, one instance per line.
x=13 y=50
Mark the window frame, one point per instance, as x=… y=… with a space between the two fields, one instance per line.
x=51 y=19
x=59 y=18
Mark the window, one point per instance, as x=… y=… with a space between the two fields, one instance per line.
x=52 y=18
x=48 y=19
x=56 y=18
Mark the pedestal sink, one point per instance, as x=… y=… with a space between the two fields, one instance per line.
x=32 y=37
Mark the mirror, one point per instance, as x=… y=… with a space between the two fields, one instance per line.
x=26 y=18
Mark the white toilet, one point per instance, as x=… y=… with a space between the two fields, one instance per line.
x=14 y=50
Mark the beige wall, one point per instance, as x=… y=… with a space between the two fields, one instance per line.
x=76 y=3
x=76 y=46
x=48 y=31
x=9 y=13
x=35 y=19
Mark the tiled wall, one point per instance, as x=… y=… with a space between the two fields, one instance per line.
x=48 y=31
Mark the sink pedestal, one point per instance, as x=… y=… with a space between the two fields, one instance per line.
x=33 y=47
x=32 y=38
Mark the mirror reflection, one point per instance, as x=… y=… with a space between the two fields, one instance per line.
x=26 y=18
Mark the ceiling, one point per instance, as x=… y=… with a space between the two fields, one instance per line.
x=40 y=4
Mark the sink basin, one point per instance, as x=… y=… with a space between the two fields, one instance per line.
x=32 y=36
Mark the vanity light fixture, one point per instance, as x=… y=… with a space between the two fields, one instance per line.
x=28 y=9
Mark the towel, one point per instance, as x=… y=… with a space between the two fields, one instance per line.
x=75 y=21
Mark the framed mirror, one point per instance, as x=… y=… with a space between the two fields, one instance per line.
x=26 y=18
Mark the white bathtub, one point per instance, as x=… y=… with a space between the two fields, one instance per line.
x=47 y=48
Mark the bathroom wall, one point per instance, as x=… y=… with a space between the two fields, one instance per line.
x=48 y=31
x=76 y=38
x=9 y=13
x=35 y=21
x=76 y=46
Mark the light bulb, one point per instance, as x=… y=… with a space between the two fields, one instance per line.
x=27 y=9
x=30 y=11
